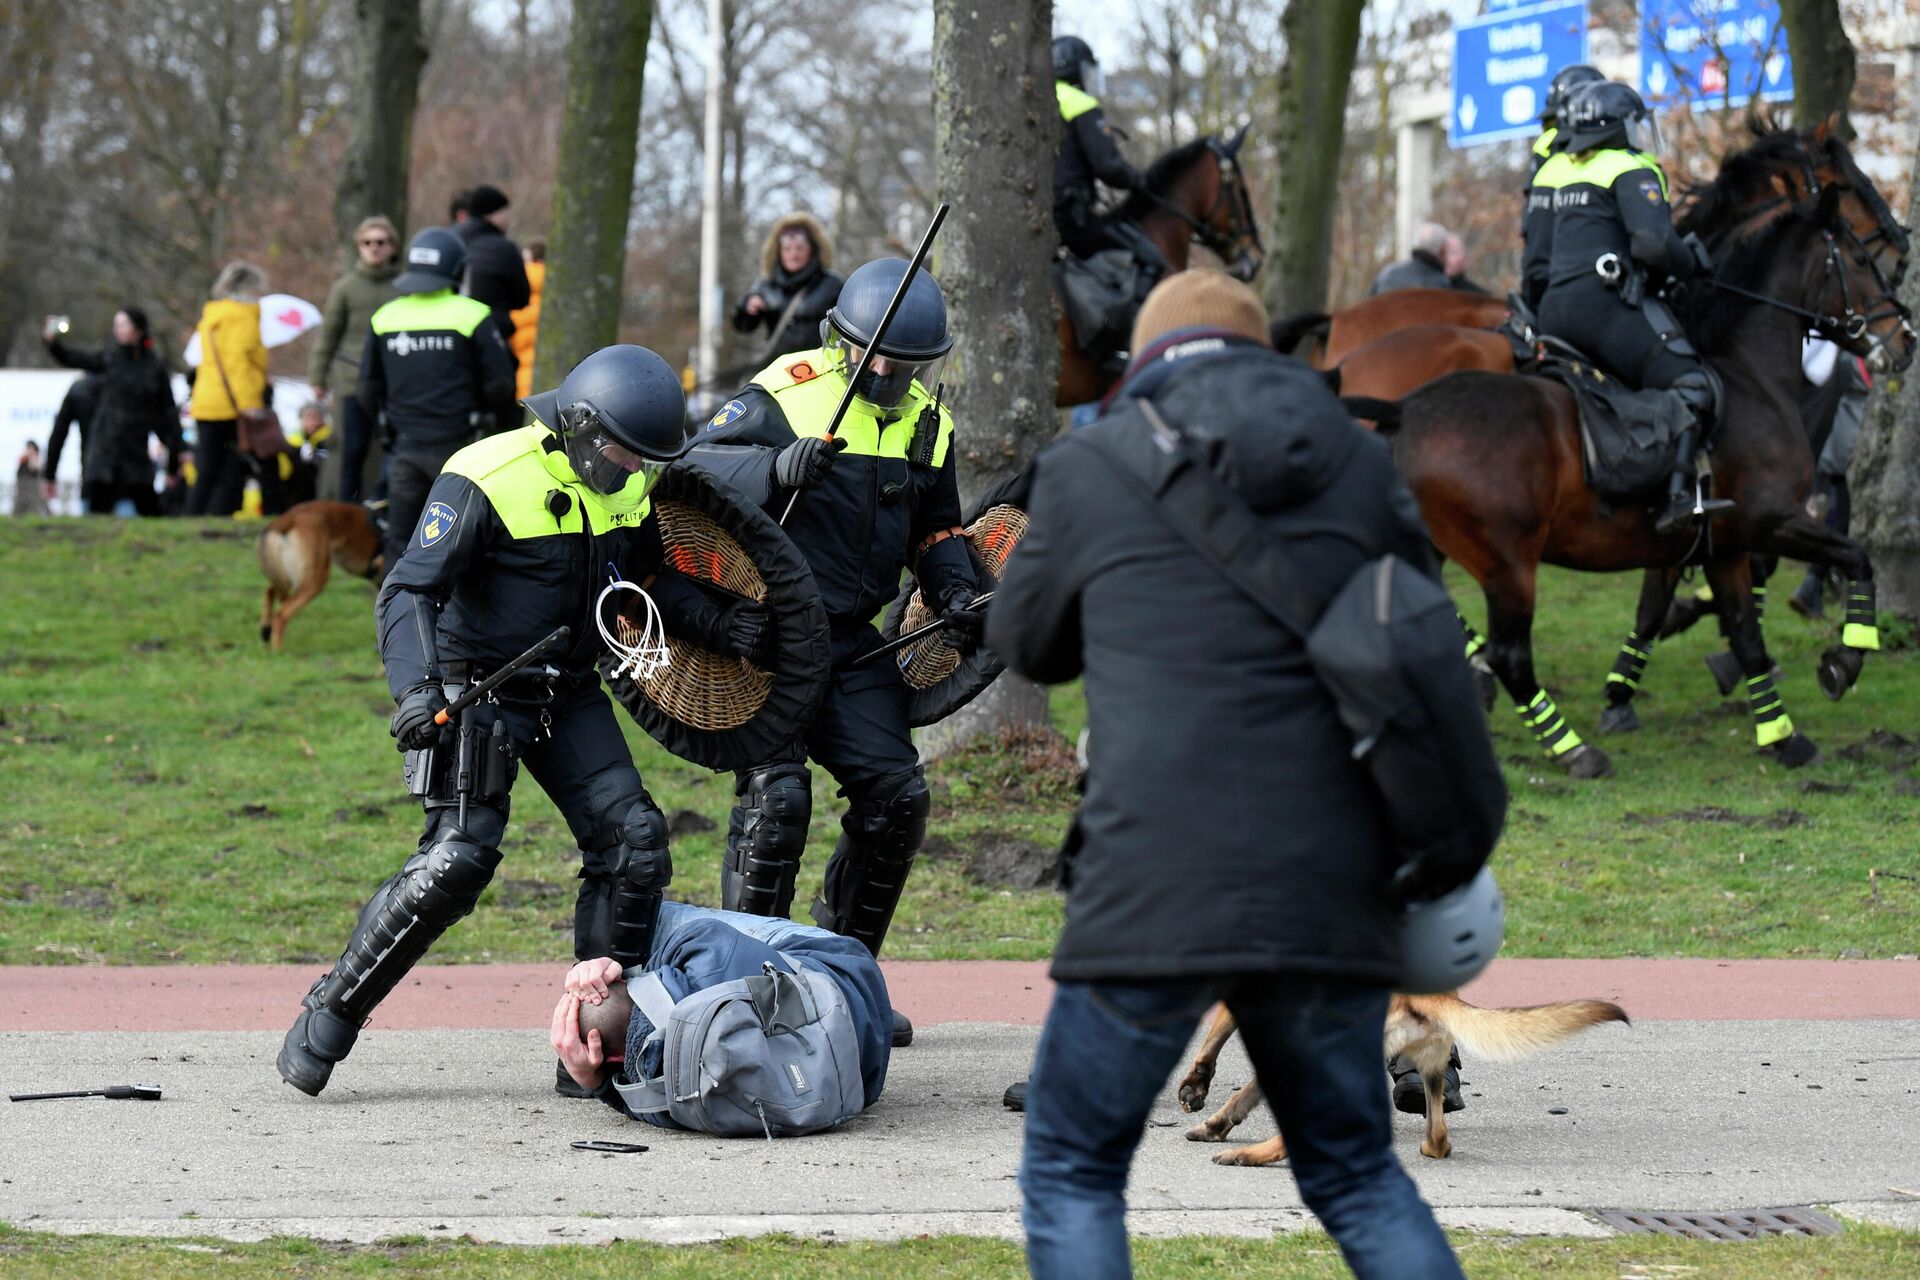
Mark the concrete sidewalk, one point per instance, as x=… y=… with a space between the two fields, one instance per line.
x=451 y=1133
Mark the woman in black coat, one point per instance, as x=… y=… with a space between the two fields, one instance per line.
x=135 y=401
x=797 y=286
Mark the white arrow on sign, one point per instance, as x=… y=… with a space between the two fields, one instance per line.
x=1468 y=114
x=1657 y=79
x=1775 y=65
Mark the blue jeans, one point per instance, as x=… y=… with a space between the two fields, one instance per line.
x=1105 y=1054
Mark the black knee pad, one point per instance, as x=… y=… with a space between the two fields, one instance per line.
x=639 y=869
x=445 y=880
x=771 y=809
x=640 y=858
x=888 y=817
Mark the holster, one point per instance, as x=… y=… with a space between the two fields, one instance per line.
x=480 y=761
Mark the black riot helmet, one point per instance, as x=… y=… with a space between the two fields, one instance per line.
x=913 y=346
x=621 y=418
x=436 y=259
x=1073 y=61
x=1565 y=81
x=1607 y=114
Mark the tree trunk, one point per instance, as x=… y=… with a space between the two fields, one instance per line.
x=1823 y=63
x=996 y=129
x=1323 y=37
x=593 y=188
x=379 y=158
x=1885 y=474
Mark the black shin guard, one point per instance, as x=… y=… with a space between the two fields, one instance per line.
x=882 y=830
x=766 y=835
x=641 y=871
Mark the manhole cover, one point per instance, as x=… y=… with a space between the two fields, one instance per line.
x=1747 y=1225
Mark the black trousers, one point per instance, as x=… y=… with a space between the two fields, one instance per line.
x=356 y=443
x=1618 y=337
x=861 y=733
x=577 y=754
x=223 y=473
x=411 y=471
x=101 y=496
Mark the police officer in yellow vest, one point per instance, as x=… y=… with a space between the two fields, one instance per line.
x=520 y=534
x=435 y=373
x=1088 y=152
x=1536 y=219
x=1614 y=248
x=878 y=497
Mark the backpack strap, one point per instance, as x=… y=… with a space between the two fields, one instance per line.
x=1209 y=516
x=651 y=997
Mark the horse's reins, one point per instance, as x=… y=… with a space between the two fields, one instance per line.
x=1231 y=187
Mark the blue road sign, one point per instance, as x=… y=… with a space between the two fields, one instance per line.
x=1502 y=64
x=1713 y=53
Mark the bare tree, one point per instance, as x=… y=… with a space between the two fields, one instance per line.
x=1885 y=473
x=1322 y=39
x=1823 y=61
x=996 y=129
x=379 y=158
x=599 y=134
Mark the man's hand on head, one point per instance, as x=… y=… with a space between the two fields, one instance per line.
x=584 y=1060
x=590 y=980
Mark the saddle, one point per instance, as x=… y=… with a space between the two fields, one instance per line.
x=1102 y=295
x=1627 y=437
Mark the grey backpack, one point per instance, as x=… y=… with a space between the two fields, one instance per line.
x=771 y=1055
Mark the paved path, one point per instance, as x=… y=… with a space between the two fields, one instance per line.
x=1700 y=1105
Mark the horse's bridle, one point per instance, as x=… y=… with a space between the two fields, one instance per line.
x=1241 y=222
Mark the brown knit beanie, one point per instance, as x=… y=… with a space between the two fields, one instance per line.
x=1200 y=299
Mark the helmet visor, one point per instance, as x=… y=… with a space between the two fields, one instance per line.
x=887 y=380
x=603 y=464
x=1643 y=134
x=1093 y=79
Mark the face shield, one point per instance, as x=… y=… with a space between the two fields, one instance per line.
x=1643 y=134
x=1093 y=79
x=605 y=466
x=887 y=380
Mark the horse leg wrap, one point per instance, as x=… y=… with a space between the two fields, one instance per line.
x=1862 y=627
x=1476 y=643
x=883 y=829
x=1759 y=601
x=766 y=835
x=1771 y=723
x=1629 y=665
x=1550 y=729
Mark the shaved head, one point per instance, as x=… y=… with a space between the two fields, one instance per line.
x=610 y=1018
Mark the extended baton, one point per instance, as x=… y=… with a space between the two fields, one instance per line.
x=901 y=642
x=144 y=1092
x=446 y=714
x=873 y=344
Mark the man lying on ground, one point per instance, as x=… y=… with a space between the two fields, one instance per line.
x=739 y=1024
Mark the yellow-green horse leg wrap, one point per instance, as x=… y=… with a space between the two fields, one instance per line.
x=1631 y=663
x=1475 y=641
x=1550 y=728
x=1861 y=629
x=1770 y=721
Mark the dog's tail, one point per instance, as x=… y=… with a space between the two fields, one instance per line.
x=280 y=561
x=1505 y=1034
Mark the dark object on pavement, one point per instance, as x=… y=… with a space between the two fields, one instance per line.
x=1015 y=1098
x=144 y=1092
x=902 y=1030
x=619 y=1148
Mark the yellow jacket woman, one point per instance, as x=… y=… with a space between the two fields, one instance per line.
x=232 y=379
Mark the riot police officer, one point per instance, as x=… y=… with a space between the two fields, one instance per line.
x=434 y=370
x=520 y=534
x=1613 y=245
x=1088 y=152
x=877 y=497
x=1536 y=219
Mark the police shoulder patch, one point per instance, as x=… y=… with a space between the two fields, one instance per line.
x=729 y=411
x=435 y=522
x=1650 y=188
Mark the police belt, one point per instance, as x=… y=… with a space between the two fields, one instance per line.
x=531 y=686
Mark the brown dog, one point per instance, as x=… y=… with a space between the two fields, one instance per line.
x=297 y=551
x=1424 y=1028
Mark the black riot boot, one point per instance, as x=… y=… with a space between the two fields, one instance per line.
x=1687 y=503
x=1410 y=1094
x=318 y=1038
x=882 y=830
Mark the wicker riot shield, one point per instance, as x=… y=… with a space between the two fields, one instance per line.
x=716 y=709
x=940 y=680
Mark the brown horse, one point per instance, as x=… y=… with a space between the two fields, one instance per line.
x=1495 y=461
x=1334 y=337
x=1196 y=192
x=1399 y=363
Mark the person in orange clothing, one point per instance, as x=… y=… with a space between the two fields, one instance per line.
x=526 y=320
x=232 y=380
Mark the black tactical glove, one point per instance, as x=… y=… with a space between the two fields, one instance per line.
x=412 y=725
x=1702 y=260
x=965 y=626
x=745 y=629
x=805 y=463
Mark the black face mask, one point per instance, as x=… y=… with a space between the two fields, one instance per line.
x=885 y=390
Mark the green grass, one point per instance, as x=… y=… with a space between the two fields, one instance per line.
x=176 y=794
x=1862 y=1251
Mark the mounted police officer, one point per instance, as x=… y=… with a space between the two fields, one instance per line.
x=520 y=534
x=1088 y=152
x=1613 y=245
x=434 y=374
x=1536 y=219
x=878 y=497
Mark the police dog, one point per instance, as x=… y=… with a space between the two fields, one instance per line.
x=1425 y=1028
x=298 y=549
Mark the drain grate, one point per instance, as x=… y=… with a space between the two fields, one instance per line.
x=1749 y=1225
